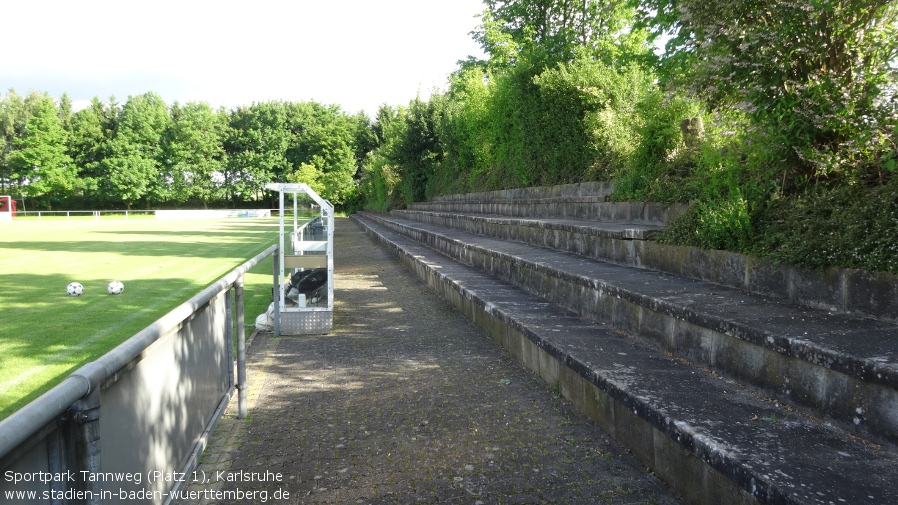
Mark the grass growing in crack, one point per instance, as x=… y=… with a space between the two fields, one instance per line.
x=556 y=390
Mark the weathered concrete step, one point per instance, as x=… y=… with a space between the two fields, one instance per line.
x=594 y=191
x=841 y=367
x=710 y=439
x=532 y=231
x=870 y=294
x=582 y=201
x=576 y=208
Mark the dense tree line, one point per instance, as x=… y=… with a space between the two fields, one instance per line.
x=147 y=154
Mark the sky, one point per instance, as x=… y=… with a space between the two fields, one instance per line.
x=358 y=54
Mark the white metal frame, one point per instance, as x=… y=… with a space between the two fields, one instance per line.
x=309 y=319
x=7 y=215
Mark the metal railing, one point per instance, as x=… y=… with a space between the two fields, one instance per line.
x=122 y=428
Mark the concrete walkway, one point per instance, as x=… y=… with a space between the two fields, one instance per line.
x=406 y=402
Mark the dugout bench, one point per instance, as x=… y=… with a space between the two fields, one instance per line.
x=306 y=250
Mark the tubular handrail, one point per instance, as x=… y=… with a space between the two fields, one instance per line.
x=24 y=423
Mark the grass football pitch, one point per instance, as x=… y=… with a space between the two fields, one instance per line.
x=45 y=334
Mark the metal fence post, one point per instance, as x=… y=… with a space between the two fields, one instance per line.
x=229 y=335
x=276 y=290
x=85 y=418
x=241 y=349
x=58 y=461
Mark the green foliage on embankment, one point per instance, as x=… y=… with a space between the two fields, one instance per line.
x=781 y=133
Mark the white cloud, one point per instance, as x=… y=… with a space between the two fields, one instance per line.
x=354 y=53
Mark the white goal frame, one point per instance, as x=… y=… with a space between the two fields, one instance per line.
x=6 y=215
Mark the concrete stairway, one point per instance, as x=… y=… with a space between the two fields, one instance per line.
x=728 y=395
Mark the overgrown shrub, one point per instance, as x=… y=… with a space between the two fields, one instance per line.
x=381 y=175
x=816 y=75
x=850 y=226
x=729 y=177
x=464 y=132
x=591 y=117
x=513 y=121
x=660 y=160
x=379 y=183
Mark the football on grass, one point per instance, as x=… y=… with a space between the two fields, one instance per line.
x=74 y=289
x=115 y=288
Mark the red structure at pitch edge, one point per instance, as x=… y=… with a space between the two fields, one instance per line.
x=7 y=208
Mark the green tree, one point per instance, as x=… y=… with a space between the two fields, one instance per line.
x=194 y=152
x=15 y=111
x=92 y=131
x=133 y=167
x=560 y=29
x=256 y=147
x=309 y=174
x=534 y=112
x=419 y=153
x=331 y=150
x=65 y=111
x=41 y=162
x=324 y=144
x=364 y=142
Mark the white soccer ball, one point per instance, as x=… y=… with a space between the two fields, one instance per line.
x=115 y=288
x=74 y=289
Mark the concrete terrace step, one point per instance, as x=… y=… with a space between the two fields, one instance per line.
x=596 y=191
x=534 y=231
x=837 y=366
x=869 y=294
x=711 y=439
x=584 y=201
x=576 y=209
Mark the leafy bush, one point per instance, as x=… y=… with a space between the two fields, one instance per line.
x=380 y=179
x=730 y=179
x=590 y=117
x=816 y=75
x=464 y=132
x=513 y=121
x=379 y=183
x=660 y=160
x=850 y=226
